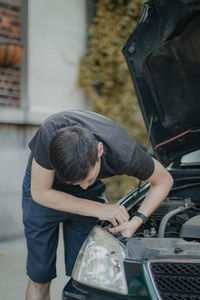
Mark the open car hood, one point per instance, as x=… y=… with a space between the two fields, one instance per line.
x=163 y=56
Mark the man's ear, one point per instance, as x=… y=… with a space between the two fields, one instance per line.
x=100 y=149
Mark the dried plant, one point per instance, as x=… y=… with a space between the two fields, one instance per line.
x=106 y=80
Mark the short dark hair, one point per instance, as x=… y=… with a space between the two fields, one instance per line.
x=72 y=152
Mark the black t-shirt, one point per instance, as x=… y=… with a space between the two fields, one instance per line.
x=122 y=155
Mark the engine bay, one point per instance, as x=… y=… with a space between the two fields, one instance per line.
x=173 y=230
x=177 y=217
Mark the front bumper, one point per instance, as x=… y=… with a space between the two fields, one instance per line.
x=166 y=279
x=92 y=294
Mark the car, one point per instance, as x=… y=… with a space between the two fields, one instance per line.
x=162 y=259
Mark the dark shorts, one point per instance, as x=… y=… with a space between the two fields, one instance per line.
x=42 y=229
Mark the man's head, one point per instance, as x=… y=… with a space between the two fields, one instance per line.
x=75 y=154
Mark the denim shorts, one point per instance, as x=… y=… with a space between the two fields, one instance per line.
x=42 y=229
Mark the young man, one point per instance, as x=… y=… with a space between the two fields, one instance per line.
x=70 y=154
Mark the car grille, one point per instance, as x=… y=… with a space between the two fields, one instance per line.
x=176 y=280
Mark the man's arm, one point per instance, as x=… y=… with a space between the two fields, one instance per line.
x=161 y=183
x=42 y=193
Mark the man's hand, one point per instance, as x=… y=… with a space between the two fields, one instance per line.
x=161 y=183
x=127 y=229
x=115 y=214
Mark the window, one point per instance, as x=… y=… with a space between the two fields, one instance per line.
x=10 y=52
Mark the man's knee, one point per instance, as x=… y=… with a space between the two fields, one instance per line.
x=40 y=286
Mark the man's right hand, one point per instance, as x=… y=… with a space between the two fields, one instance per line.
x=115 y=214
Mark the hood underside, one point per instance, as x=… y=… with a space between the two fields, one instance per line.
x=163 y=56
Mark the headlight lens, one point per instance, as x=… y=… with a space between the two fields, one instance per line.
x=100 y=263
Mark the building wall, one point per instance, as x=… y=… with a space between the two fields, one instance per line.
x=13 y=158
x=56 y=39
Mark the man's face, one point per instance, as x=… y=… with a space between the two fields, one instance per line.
x=91 y=177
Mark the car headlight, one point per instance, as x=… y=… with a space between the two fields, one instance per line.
x=100 y=263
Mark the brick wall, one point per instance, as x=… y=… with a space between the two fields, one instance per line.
x=10 y=32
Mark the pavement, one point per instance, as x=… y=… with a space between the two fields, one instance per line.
x=13 y=278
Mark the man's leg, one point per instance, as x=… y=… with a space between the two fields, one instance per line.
x=41 y=231
x=41 y=260
x=38 y=291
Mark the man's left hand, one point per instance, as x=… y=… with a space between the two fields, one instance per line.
x=127 y=229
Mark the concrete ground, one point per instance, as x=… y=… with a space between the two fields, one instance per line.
x=13 y=277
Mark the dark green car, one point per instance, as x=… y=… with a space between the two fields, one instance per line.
x=162 y=259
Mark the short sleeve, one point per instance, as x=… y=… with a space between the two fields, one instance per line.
x=141 y=164
x=39 y=146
